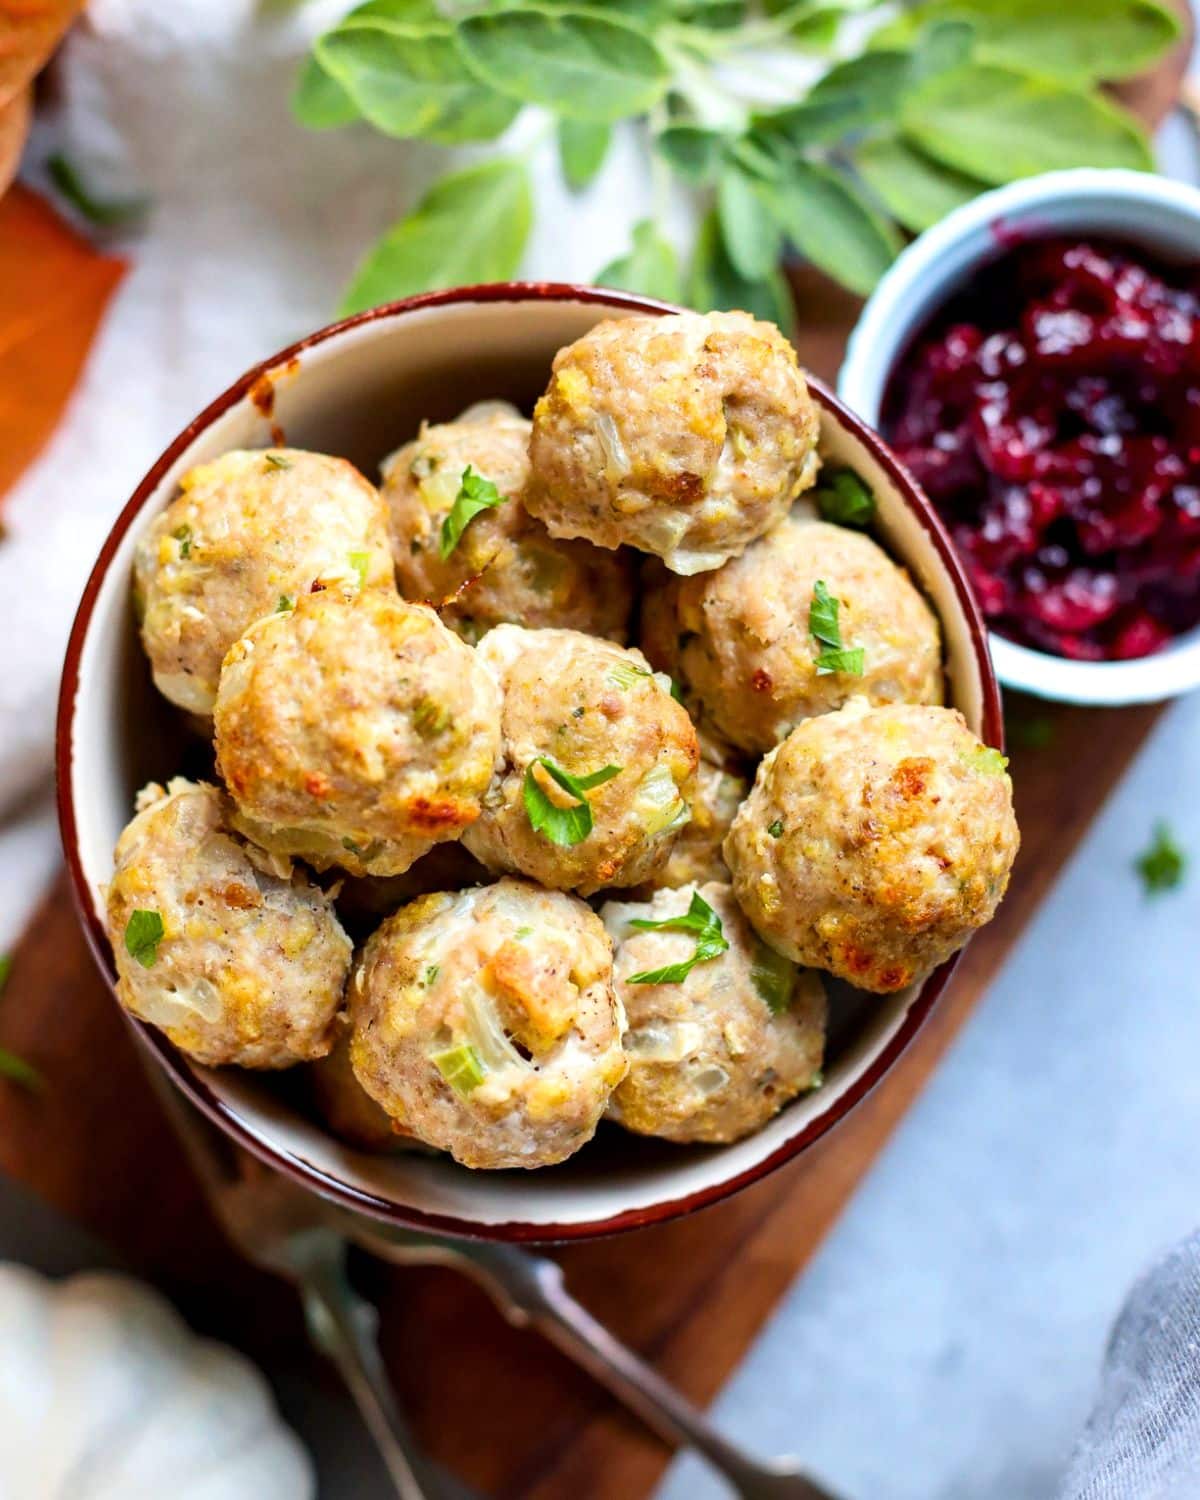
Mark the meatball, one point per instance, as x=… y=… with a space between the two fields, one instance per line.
x=345 y=1106
x=355 y=732
x=246 y=534
x=506 y=566
x=875 y=841
x=235 y=955
x=686 y=436
x=576 y=709
x=485 y=1023
x=714 y=1054
x=738 y=641
x=719 y=791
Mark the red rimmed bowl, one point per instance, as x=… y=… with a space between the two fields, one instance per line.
x=360 y=388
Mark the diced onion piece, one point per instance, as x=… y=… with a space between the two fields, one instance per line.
x=176 y=1007
x=616 y=460
x=664 y=1043
x=489 y=1037
x=711 y=1080
x=659 y=805
x=439 y=490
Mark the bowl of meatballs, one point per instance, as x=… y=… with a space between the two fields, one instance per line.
x=528 y=760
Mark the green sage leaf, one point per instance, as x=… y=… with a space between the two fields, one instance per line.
x=751 y=234
x=831 y=224
x=691 y=151
x=319 y=102
x=410 y=81
x=714 y=282
x=651 y=266
x=582 y=147
x=1078 y=43
x=471 y=226
x=582 y=65
x=914 y=188
x=997 y=124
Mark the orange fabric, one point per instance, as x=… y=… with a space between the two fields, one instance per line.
x=54 y=288
x=29 y=33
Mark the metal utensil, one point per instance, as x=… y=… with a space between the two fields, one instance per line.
x=530 y=1290
x=304 y=1238
x=293 y=1234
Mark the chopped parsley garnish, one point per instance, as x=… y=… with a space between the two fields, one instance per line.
x=360 y=562
x=105 y=214
x=774 y=977
x=626 y=674
x=562 y=825
x=843 y=498
x=699 y=919
x=273 y=461
x=1162 y=866
x=775 y=829
x=987 y=759
x=475 y=493
x=12 y=1067
x=183 y=535
x=143 y=933
x=461 y=1067
x=286 y=604
x=825 y=629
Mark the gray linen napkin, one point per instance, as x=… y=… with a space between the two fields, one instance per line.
x=1142 y=1441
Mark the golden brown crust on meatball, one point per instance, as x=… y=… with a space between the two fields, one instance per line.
x=716 y=1055
x=485 y=1023
x=584 y=705
x=875 y=841
x=251 y=962
x=738 y=640
x=686 y=436
x=246 y=531
x=506 y=566
x=356 y=732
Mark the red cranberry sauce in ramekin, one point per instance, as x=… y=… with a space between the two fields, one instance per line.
x=1051 y=411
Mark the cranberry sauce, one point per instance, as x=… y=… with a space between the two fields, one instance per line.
x=1052 y=413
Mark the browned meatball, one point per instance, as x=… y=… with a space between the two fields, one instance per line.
x=686 y=436
x=875 y=841
x=505 y=565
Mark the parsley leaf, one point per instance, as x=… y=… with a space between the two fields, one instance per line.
x=286 y=604
x=775 y=829
x=844 y=499
x=825 y=629
x=710 y=941
x=1162 y=866
x=774 y=977
x=475 y=493
x=143 y=933
x=18 y=1071
x=562 y=825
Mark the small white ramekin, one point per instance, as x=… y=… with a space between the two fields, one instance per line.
x=1161 y=214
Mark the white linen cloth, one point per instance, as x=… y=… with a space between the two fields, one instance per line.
x=255 y=227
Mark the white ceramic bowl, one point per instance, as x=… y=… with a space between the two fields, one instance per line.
x=358 y=389
x=1156 y=212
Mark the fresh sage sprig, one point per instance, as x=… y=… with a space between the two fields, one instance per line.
x=916 y=114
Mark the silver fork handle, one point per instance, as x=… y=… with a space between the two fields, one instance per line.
x=344 y=1326
x=531 y=1292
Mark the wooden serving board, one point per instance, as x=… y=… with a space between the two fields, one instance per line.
x=497 y=1406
